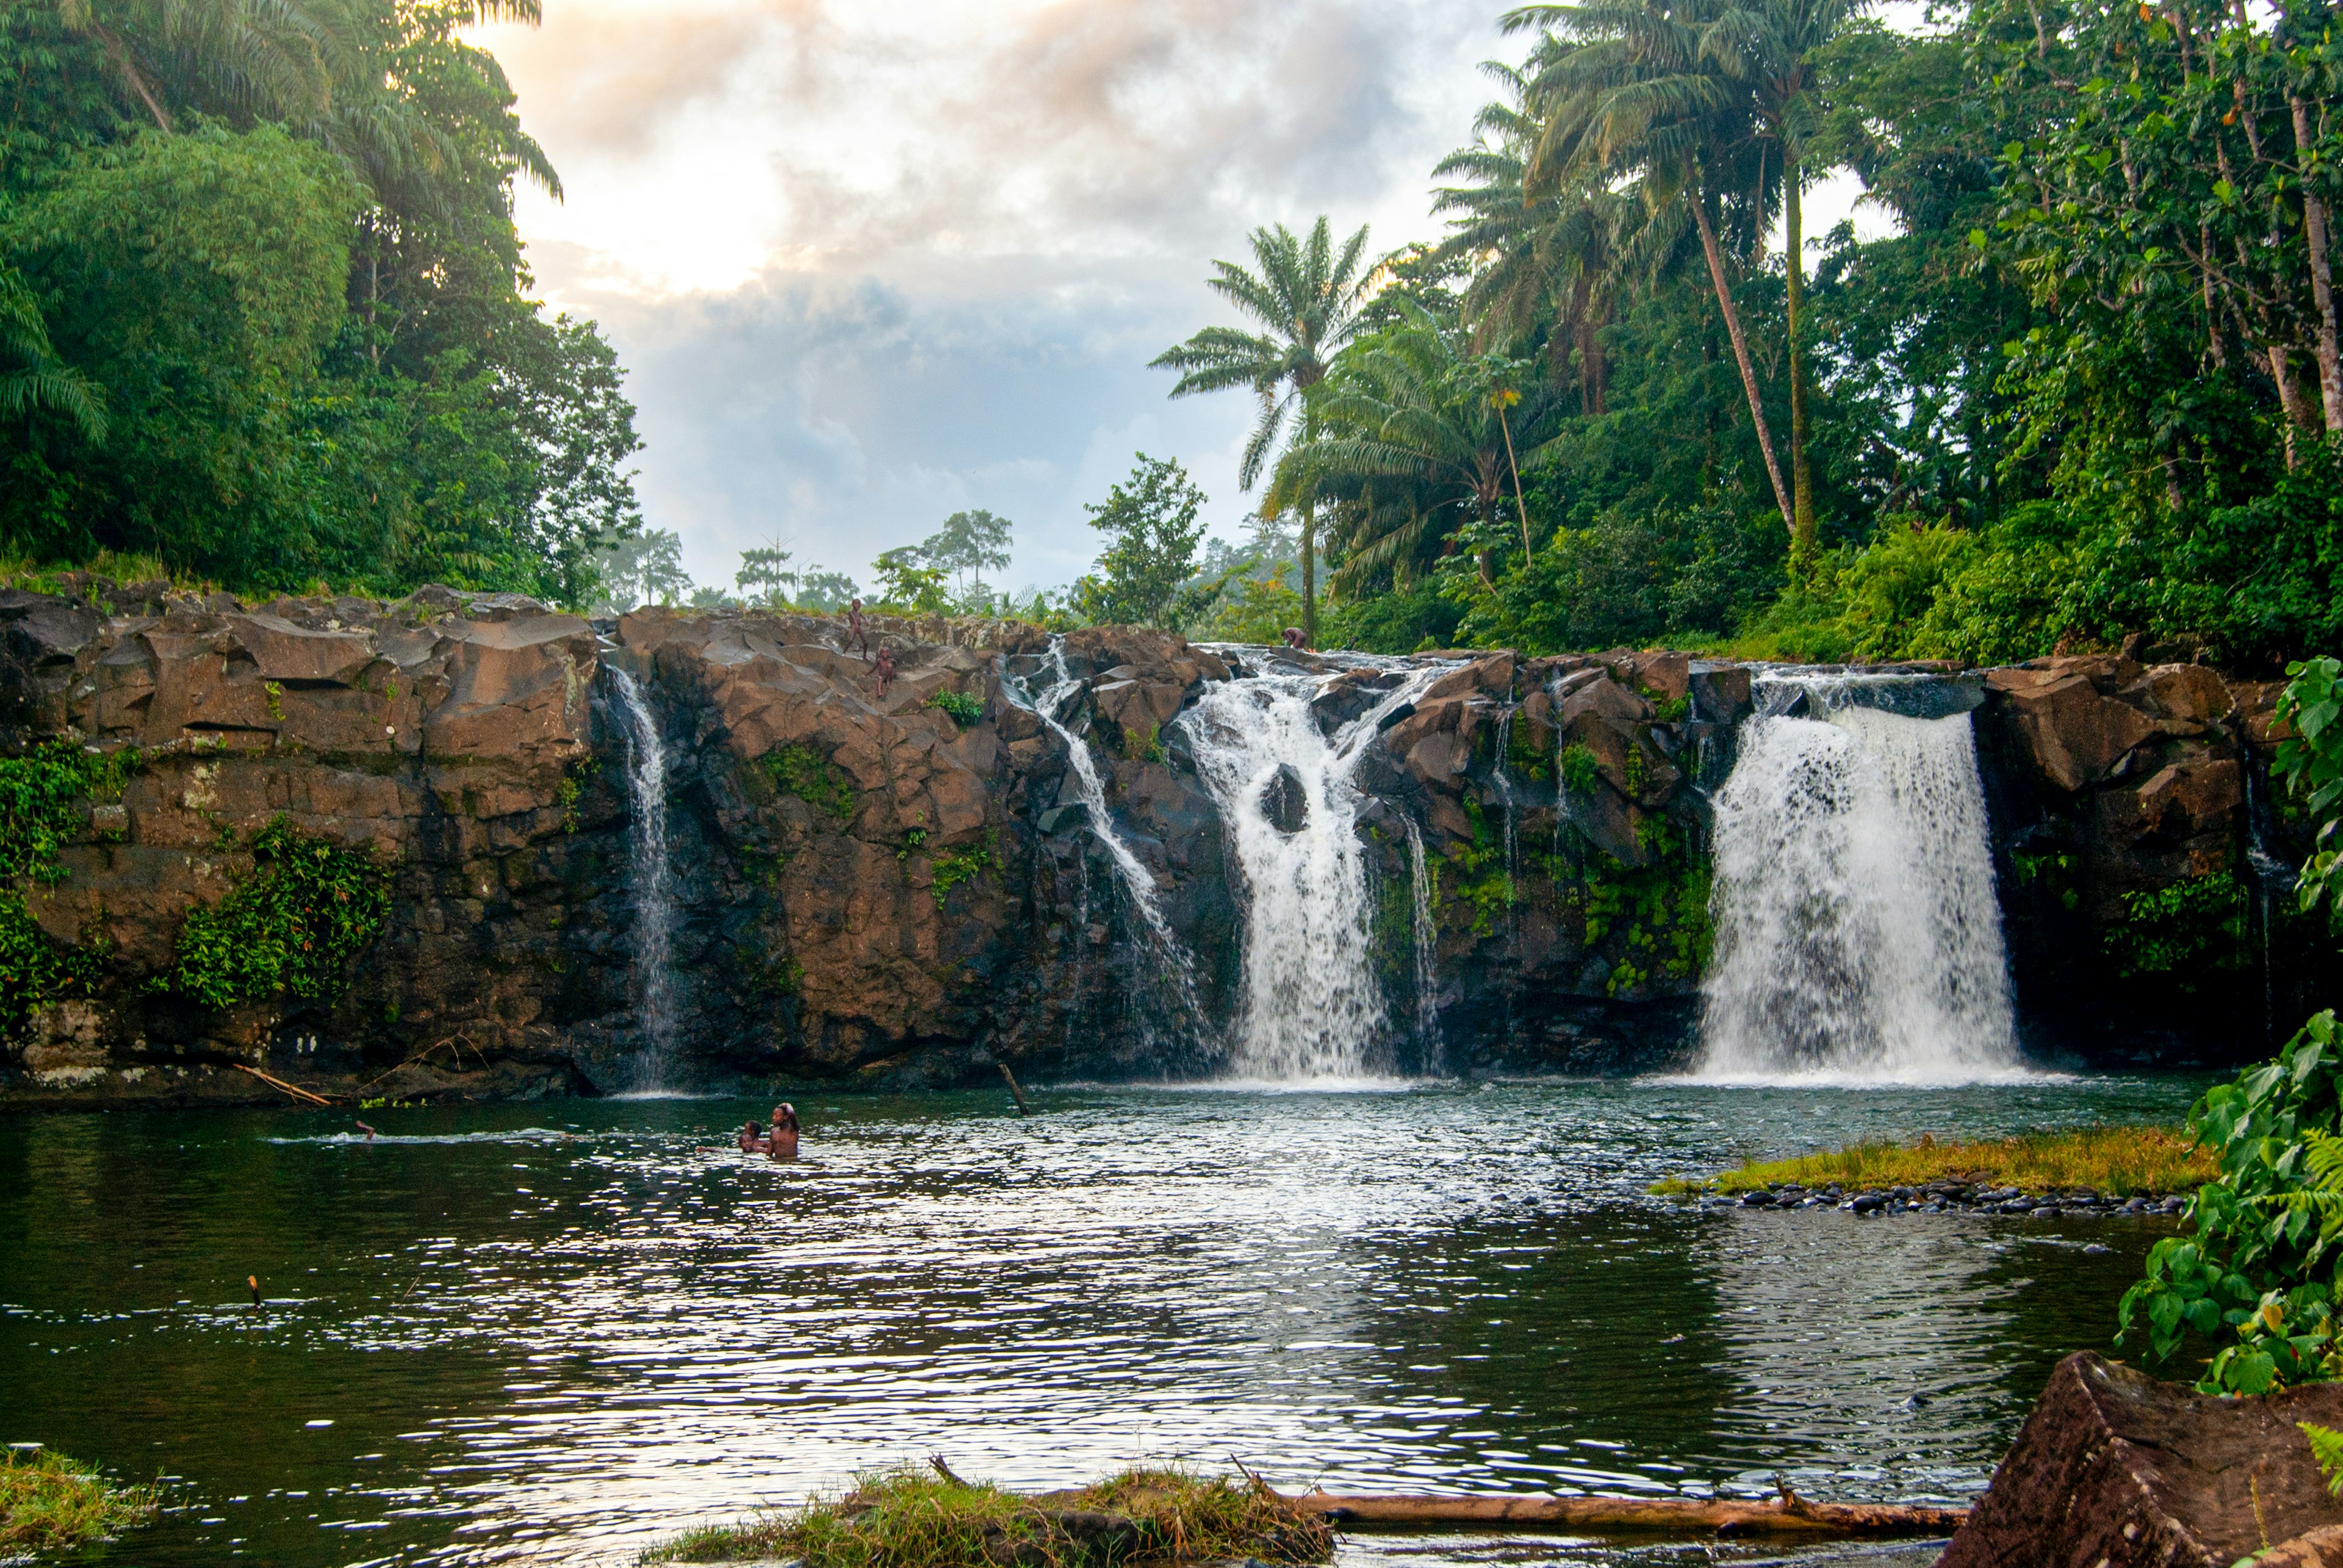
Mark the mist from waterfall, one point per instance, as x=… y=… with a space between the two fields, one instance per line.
x=651 y=874
x=1858 y=937
x=1312 y=1008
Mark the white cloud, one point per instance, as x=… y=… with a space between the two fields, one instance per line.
x=867 y=264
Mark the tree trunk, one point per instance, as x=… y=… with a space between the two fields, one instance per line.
x=1308 y=574
x=1520 y=505
x=1803 y=543
x=1741 y=354
x=2322 y=292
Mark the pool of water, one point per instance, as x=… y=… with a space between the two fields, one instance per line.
x=561 y=1331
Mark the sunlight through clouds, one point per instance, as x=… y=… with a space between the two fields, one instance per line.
x=868 y=263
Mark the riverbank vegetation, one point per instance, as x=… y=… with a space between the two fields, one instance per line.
x=912 y=1518
x=263 y=315
x=49 y=1503
x=2112 y=1161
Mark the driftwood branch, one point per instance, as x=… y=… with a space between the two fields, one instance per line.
x=279 y=1083
x=945 y=1469
x=1787 y=1515
x=1015 y=1093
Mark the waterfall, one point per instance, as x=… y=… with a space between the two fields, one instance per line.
x=1858 y=937
x=653 y=877
x=1048 y=706
x=1312 y=1009
x=1427 y=952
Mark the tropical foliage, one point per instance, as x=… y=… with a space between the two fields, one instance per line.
x=263 y=312
x=2089 y=385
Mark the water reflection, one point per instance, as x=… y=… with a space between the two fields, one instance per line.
x=559 y=1333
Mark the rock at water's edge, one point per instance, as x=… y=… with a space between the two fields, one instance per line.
x=2116 y=1470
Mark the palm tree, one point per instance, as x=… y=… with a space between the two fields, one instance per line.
x=1306 y=297
x=1637 y=90
x=1424 y=432
x=31 y=375
x=1772 y=47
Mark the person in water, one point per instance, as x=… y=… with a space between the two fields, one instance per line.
x=886 y=671
x=781 y=1143
x=857 y=629
x=750 y=1142
x=1292 y=635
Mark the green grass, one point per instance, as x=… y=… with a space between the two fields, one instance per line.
x=47 y=1501
x=2116 y=1162
x=910 y=1518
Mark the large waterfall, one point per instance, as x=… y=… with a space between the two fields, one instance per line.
x=1312 y=1009
x=653 y=877
x=1858 y=937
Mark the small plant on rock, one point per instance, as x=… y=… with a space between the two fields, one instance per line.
x=1579 y=770
x=963 y=710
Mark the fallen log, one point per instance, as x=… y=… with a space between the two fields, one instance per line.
x=1786 y=1515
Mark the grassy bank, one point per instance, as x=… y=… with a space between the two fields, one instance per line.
x=911 y=1519
x=2113 y=1162
x=47 y=1501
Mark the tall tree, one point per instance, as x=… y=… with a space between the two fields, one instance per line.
x=1306 y=297
x=1774 y=48
x=968 y=543
x=1637 y=90
x=1153 y=526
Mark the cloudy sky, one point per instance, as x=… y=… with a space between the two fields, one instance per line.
x=869 y=262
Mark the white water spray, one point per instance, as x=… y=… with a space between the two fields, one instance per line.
x=1858 y=937
x=653 y=876
x=1312 y=1008
x=1427 y=952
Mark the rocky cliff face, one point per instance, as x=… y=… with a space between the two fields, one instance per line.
x=900 y=889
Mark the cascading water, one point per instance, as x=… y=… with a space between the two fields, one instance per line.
x=1427 y=954
x=653 y=877
x=1050 y=705
x=1858 y=937
x=1312 y=1009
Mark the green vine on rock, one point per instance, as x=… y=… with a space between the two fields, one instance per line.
x=2184 y=932
x=41 y=796
x=806 y=773
x=1579 y=768
x=291 y=927
x=953 y=867
x=1660 y=908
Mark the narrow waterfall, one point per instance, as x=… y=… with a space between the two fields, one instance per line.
x=1858 y=937
x=1050 y=705
x=1427 y=952
x=1312 y=1009
x=653 y=877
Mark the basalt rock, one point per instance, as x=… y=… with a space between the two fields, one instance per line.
x=2115 y=1468
x=870 y=889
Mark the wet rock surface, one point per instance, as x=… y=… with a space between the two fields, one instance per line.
x=873 y=890
x=2115 y=1468
x=1949 y=1197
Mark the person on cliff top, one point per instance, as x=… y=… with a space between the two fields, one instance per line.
x=1292 y=635
x=858 y=630
x=886 y=671
x=781 y=1143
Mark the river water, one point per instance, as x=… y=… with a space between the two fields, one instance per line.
x=557 y=1333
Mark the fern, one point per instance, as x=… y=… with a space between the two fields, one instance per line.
x=2326 y=1447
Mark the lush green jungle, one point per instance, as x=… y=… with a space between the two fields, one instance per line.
x=265 y=321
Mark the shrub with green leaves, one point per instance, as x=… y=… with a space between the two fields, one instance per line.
x=41 y=809
x=292 y=927
x=2311 y=758
x=964 y=711
x=2260 y=1272
x=806 y=773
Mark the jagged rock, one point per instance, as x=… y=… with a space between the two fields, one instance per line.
x=1667 y=675
x=1720 y=692
x=2115 y=1468
x=1284 y=803
x=1597 y=697
x=2076 y=736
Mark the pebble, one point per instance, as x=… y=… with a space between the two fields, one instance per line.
x=1948 y=1198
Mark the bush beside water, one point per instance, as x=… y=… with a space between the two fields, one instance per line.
x=49 y=1502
